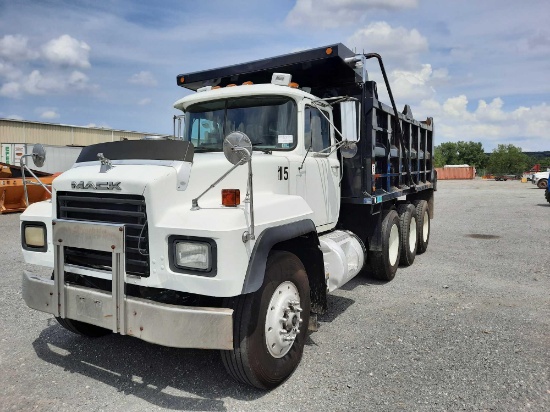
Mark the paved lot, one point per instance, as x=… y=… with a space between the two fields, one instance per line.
x=467 y=327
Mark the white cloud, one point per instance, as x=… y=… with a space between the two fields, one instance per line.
x=12 y=116
x=49 y=114
x=408 y=85
x=396 y=45
x=456 y=107
x=411 y=86
x=143 y=78
x=14 y=48
x=79 y=81
x=144 y=102
x=336 y=13
x=38 y=83
x=489 y=122
x=11 y=89
x=67 y=51
x=9 y=71
x=44 y=77
x=491 y=111
x=98 y=126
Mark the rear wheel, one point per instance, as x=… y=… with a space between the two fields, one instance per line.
x=384 y=262
x=270 y=325
x=542 y=184
x=409 y=238
x=82 y=328
x=422 y=225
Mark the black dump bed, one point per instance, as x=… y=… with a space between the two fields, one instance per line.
x=383 y=168
x=311 y=68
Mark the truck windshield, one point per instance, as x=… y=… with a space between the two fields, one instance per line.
x=269 y=122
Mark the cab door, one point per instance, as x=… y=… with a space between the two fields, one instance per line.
x=322 y=170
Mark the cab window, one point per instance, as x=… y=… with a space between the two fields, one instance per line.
x=317 y=130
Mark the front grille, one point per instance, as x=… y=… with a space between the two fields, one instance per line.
x=108 y=208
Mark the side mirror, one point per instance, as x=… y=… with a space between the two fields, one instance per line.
x=237 y=148
x=348 y=114
x=38 y=155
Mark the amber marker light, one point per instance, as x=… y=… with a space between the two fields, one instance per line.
x=248 y=83
x=181 y=80
x=293 y=85
x=231 y=197
x=216 y=87
x=328 y=51
x=231 y=85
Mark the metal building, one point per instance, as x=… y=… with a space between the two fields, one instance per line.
x=23 y=131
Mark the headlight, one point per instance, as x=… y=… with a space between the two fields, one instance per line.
x=188 y=254
x=33 y=236
x=193 y=255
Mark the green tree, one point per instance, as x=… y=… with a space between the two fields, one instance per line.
x=507 y=159
x=446 y=154
x=472 y=153
x=450 y=153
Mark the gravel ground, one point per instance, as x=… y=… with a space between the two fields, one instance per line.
x=467 y=327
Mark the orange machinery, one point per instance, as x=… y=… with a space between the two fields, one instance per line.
x=12 y=191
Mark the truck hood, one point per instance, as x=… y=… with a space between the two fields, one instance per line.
x=174 y=182
x=123 y=178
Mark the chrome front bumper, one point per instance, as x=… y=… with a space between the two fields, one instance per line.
x=163 y=324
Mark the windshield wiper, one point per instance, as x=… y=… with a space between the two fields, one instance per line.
x=208 y=149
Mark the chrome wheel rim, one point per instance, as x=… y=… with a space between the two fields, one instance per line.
x=412 y=235
x=283 y=319
x=426 y=227
x=393 y=249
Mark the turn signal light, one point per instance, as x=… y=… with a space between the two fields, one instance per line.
x=231 y=197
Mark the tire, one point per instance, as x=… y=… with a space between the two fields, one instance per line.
x=542 y=184
x=260 y=356
x=84 y=329
x=423 y=225
x=384 y=262
x=408 y=238
x=547 y=195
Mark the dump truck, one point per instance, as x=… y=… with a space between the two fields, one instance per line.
x=285 y=179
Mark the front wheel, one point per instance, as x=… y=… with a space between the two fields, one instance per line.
x=270 y=325
x=82 y=328
x=542 y=184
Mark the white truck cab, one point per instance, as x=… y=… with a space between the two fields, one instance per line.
x=230 y=235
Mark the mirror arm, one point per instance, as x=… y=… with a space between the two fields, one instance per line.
x=195 y=201
x=302 y=165
x=250 y=198
x=24 y=167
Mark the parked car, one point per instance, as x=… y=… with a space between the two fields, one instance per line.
x=540 y=179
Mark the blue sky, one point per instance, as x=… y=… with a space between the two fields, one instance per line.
x=480 y=68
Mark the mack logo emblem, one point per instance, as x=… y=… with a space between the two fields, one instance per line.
x=96 y=185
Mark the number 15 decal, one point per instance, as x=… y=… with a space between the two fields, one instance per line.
x=283 y=172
